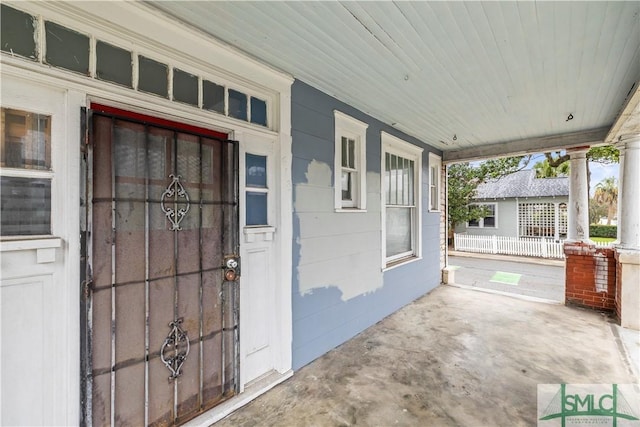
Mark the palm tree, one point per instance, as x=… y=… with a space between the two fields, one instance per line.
x=607 y=194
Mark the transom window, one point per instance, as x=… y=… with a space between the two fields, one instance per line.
x=67 y=49
x=350 y=163
x=25 y=173
x=401 y=186
x=489 y=219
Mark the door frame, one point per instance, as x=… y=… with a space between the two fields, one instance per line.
x=87 y=230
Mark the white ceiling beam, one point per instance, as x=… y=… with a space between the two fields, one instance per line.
x=628 y=120
x=520 y=147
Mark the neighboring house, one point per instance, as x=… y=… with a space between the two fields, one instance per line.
x=183 y=230
x=521 y=205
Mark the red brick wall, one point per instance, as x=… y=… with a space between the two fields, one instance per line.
x=618 y=299
x=590 y=276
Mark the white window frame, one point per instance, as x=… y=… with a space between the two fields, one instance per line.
x=435 y=162
x=394 y=145
x=348 y=127
x=481 y=220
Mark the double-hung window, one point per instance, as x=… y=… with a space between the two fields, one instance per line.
x=435 y=168
x=350 y=163
x=25 y=173
x=489 y=220
x=401 y=166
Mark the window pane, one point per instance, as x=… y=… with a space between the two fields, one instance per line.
x=258 y=111
x=113 y=64
x=411 y=186
x=489 y=221
x=67 y=49
x=352 y=153
x=256 y=170
x=237 y=105
x=387 y=178
x=26 y=206
x=405 y=181
x=185 y=87
x=398 y=224
x=212 y=96
x=474 y=223
x=393 y=199
x=347 y=178
x=344 y=152
x=26 y=140
x=17 y=32
x=256 y=208
x=153 y=76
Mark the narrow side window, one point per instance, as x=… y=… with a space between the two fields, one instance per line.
x=350 y=163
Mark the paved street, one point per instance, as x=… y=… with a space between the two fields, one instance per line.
x=519 y=277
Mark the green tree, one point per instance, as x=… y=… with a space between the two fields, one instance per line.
x=556 y=163
x=596 y=211
x=606 y=194
x=545 y=170
x=463 y=181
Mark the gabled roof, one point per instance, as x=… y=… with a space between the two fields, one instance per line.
x=523 y=184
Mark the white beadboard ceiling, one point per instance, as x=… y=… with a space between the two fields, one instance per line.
x=457 y=75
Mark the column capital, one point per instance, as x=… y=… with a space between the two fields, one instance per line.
x=577 y=152
x=629 y=141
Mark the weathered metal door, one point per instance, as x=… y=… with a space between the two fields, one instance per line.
x=161 y=317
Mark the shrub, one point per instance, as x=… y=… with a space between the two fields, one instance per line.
x=603 y=231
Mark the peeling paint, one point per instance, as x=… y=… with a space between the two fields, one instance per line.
x=337 y=250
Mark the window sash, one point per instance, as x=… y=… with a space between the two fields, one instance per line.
x=399 y=245
x=482 y=222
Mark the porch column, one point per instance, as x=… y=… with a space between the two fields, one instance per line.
x=578 y=212
x=629 y=220
x=628 y=250
x=620 y=147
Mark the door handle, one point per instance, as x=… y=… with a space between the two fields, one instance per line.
x=231 y=268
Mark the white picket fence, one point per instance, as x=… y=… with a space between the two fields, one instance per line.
x=534 y=247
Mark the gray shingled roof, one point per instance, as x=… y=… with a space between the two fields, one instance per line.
x=523 y=184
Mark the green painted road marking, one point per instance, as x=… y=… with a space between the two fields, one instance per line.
x=506 y=278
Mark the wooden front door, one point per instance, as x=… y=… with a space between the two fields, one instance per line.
x=161 y=327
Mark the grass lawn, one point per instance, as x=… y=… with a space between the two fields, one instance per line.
x=602 y=239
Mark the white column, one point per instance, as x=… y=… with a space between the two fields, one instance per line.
x=629 y=200
x=620 y=147
x=578 y=211
x=629 y=232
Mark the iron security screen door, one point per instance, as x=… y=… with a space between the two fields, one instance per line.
x=162 y=321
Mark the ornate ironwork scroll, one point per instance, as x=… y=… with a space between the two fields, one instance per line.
x=174 y=192
x=175 y=349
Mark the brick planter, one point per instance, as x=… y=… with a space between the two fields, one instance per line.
x=590 y=276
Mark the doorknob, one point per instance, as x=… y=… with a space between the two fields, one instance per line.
x=231 y=268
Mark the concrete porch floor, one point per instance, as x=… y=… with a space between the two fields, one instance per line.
x=453 y=357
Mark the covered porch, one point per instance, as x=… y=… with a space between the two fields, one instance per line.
x=452 y=357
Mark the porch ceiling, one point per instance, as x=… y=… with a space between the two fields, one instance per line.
x=457 y=75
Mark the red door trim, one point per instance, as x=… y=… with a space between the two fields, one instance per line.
x=158 y=121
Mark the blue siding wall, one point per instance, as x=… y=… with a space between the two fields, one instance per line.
x=339 y=288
